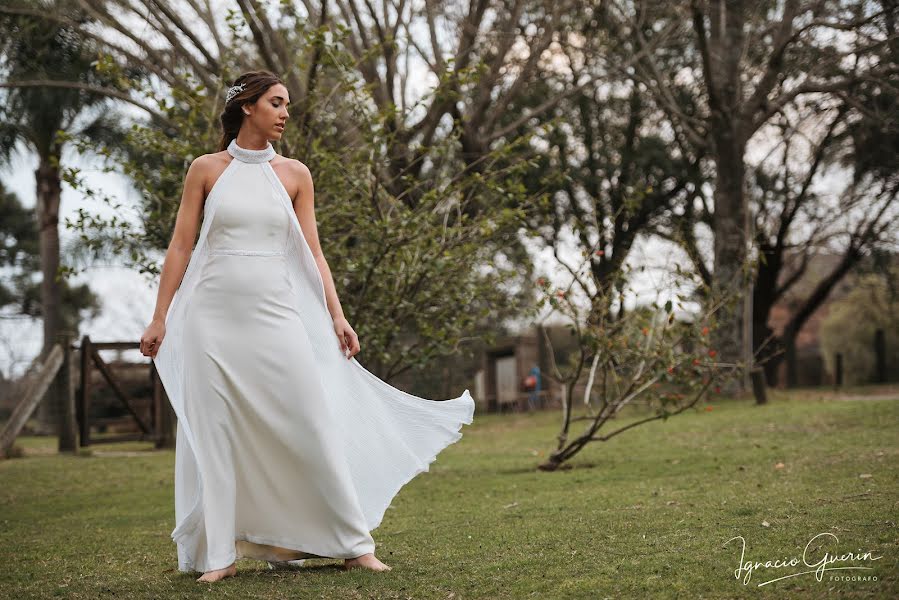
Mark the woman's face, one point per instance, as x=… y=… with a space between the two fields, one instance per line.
x=269 y=114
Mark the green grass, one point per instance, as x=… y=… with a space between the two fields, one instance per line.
x=643 y=515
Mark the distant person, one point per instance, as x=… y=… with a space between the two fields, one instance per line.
x=532 y=385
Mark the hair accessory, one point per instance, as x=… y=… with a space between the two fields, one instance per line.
x=233 y=91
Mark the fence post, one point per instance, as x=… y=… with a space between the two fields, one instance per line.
x=84 y=392
x=880 y=354
x=757 y=376
x=36 y=389
x=838 y=370
x=68 y=437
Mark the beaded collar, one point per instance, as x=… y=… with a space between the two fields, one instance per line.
x=251 y=156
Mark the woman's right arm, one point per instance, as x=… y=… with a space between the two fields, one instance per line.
x=178 y=254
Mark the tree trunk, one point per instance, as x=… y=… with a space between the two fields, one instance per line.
x=763 y=300
x=49 y=188
x=730 y=248
x=726 y=44
x=773 y=361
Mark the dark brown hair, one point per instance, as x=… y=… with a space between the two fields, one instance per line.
x=255 y=84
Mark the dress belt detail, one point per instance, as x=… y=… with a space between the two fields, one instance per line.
x=246 y=252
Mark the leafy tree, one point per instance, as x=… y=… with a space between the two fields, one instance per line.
x=851 y=322
x=20 y=286
x=621 y=358
x=418 y=278
x=797 y=217
x=35 y=50
x=724 y=73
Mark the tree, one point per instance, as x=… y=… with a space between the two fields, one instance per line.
x=796 y=220
x=405 y=269
x=480 y=60
x=474 y=59
x=851 y=323
x=798 y=212
x=734 y=66
x=35 y=49
x=643 y=355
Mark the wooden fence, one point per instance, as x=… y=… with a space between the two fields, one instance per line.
x=51 y=377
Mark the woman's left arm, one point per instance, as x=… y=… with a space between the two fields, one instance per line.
x=304 y=206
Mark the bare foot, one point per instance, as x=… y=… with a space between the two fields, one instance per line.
x=367 y=561
x=228 y=571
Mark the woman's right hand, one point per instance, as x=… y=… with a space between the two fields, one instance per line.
x=152 y=338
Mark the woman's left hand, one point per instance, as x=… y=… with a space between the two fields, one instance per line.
x=348 y=338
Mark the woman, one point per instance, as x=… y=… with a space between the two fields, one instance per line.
x=287 y=448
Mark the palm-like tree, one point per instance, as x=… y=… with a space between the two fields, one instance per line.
x=35 y=51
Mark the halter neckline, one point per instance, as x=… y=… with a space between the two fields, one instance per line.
x=251 y=156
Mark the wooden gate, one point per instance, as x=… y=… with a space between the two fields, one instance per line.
x=160 y=426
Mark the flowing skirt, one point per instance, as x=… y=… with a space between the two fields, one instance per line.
x=276 y=484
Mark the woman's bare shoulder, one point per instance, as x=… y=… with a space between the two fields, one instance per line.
x=286 y=160
x=212 y=159
x=293 y=167
x=295 y=176
x=208 y=168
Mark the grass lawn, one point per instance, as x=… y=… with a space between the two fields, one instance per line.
x=646 y=514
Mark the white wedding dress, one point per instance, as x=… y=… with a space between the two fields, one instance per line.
x=285 y=449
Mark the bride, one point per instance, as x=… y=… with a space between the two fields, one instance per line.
x=287 y=448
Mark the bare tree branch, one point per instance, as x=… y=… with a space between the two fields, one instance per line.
x=109 y=92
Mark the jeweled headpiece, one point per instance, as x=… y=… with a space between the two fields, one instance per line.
x=233 y=91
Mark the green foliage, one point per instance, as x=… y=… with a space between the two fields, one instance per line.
x=20 y=288
x=651 y=347
x=850 y=325
x=644 y=355
x=19 y=252
x=416 y=266
x=420 y=262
